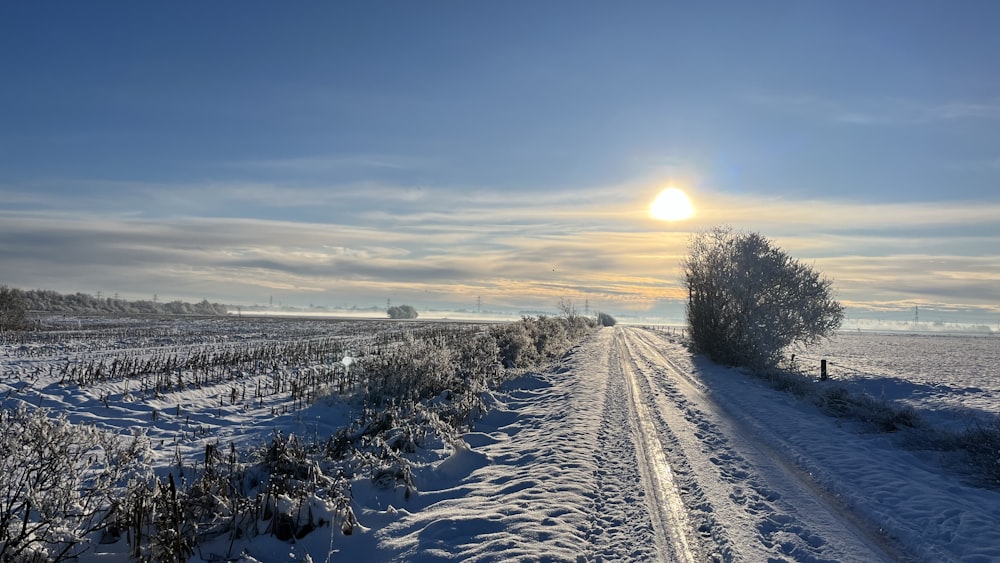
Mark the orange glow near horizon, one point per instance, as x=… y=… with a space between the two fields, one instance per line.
x=672 y=204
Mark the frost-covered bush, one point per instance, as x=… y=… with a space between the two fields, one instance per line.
x=478 y=358
x=550 y=336
x=533 y=341
x=604 y=319
x=515 y=344
x=60 y=483
x=402 y=312
x=579 y=326
x=412 y=370
x=479 y=368
x=748 y=300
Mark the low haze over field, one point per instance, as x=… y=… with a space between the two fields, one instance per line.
x=442 y=153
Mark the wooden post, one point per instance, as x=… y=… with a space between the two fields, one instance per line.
x=822 y=369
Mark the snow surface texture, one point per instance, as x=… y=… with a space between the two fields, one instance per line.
x=953 y=380
x=629 y=450
x=555 y=473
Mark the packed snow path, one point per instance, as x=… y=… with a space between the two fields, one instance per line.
x=619 y=454
x=745 y=501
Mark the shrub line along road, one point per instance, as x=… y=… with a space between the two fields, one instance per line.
x=713 y=488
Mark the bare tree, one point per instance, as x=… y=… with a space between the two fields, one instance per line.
x=566 y=308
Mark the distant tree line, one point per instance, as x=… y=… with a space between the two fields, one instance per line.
x=44 y=300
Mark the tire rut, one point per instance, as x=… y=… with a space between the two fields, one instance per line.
x=621 y=528
x=740 y=492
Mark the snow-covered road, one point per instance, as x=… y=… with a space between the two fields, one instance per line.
x=618 y=455
x=745 y=501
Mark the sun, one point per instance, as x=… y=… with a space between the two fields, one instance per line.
x=671 y=205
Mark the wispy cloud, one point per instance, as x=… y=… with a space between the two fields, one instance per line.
x=452 y=246
x=784 y=214
x=900 y=280
x=976 y=164
x=882 y=111
x=961 y=110
x=328 y=163
x=355 y=202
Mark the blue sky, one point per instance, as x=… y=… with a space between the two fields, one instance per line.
x=438 y=152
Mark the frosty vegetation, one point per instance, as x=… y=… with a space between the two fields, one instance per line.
x=748 y=300
x=59 y=482
x=65 y=487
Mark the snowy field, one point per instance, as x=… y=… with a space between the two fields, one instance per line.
x=629 y=449
x=232 y=380
x=951 y=379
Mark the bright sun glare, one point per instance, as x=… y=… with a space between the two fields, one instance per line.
x=671 y=205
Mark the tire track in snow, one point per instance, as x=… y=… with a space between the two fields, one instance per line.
x=621 y=528
x=770 y=510
x=663 y=496
x=712 y=537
